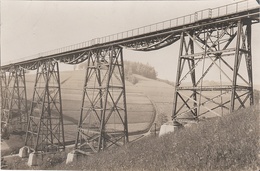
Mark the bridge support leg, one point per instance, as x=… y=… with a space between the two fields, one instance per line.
x=45 y=132
x=14 y=104
x=3 y=91
x=103 y=117
x=214 y=74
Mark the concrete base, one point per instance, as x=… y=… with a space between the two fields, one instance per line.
x=71 y=157
x=165 y=129
x=34 y=159
x=170 y=127
x=24 y=152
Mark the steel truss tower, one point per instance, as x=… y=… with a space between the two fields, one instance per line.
x=214 y=74
x=45 y=132
x=103 y=117
x=14 y=99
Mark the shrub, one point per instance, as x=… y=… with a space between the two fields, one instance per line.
x=132 y=79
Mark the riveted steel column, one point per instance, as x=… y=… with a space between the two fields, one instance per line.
x=193 y=73
x=3 y=90
x=236 y=66
x=249 y=61
x=122 y=75
x=178 y=75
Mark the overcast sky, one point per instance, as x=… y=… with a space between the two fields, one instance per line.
x=31 y=27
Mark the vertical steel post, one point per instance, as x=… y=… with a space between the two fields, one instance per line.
x=249 y=61
x=124 y=95
x=61 y=125
x=31 y=125
x=82 y=102
x=28 y=137
x=236 y=67
x=178 y=75
x=3 y=90
x=101 y=141
x=193 y=73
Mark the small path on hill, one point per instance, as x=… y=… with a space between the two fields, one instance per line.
x=71 y=119
x=160 y=94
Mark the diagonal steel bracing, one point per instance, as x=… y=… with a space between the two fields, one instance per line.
x=45 y=132
x=103 y=117
x=14 y=111
x=214 y=53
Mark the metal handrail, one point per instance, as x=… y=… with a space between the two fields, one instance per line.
x=179 y=21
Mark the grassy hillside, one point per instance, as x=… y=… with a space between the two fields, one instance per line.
x=227 y=143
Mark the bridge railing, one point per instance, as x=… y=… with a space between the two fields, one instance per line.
x=183 y=20
x=233 y=8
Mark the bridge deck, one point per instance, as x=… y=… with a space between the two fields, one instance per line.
x=205 y=18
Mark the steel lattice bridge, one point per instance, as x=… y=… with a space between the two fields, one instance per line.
x=217 y=38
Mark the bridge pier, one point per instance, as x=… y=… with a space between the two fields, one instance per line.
x=103 y=117
x=14 y=112
x=45 y=132
x=215 y=51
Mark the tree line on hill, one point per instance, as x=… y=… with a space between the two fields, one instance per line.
x=140 y=69
x=132 y=68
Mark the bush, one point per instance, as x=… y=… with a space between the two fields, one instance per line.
x=132 y=79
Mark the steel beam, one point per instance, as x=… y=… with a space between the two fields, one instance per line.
x=204 y=54
x=103 y=116
x=45 y=132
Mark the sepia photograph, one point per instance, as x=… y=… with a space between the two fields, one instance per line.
x=130 y=85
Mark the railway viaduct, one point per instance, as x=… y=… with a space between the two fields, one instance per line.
x=217 y=38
